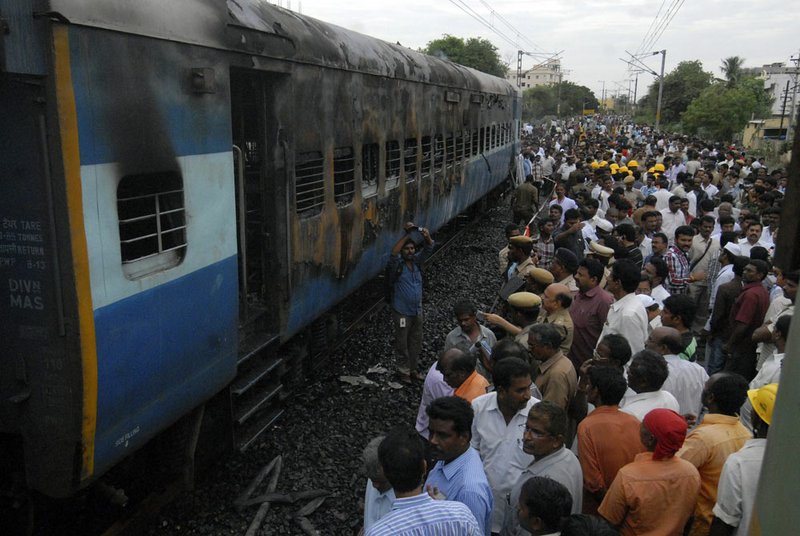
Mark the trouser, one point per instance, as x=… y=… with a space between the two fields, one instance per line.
x=742 y=361
x=715 y=355
x=407 y=340
x=523 y=216
x=698 y=292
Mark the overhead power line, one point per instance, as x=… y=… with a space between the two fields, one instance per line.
x=661 y=25
x=650 y=28
x=511 y=27
x=666 y=25
x=463 y=6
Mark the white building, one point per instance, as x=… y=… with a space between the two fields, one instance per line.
x=775 y=76
x=545 y=74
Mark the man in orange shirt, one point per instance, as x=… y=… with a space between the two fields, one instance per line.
x=458 y=369
x=656 y=494
x=608 y=438
x=717 y=437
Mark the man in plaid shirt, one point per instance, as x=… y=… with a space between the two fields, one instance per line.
x=543 y=247
x=679 y=276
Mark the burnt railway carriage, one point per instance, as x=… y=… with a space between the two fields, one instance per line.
x=188 y=185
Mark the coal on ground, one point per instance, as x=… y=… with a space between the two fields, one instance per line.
x=328 y=422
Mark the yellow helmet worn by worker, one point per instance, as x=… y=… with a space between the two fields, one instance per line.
x=633 y=164
x=763 y=401
x=659 y=167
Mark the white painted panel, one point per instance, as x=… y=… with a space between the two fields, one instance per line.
x=209 y=199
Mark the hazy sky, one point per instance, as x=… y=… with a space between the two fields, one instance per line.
x=593 y=34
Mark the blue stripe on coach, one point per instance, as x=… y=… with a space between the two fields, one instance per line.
x=161 y=353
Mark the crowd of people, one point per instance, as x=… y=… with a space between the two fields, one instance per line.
x=625 y=379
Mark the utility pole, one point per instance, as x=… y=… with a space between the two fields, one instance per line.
x=783 y=107
x=637 y=63
x=603 y=97
x=789 y=130
x=635 y=89
x=660 y=86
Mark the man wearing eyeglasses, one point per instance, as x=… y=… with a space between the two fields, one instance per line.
x=544 y=439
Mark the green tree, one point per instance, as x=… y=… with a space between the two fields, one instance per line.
x=575 y=98
x=538 y=102
x=732 y=69
x=681 y=86
x=541 y=101
x=475 y=52
x=722 y=111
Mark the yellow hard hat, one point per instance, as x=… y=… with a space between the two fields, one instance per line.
x=614 y=167
x=651 y=170
x=595 y=165
x=623 y=169
x=659 y=167
x=633 y=163
x=763 y=401
x=603 y=163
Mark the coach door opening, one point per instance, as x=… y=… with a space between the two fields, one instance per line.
x=258 y=191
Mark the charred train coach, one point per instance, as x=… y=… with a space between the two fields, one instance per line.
x=188 y=185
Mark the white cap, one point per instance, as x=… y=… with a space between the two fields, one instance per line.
x=733 y=248
x=646 y=300
x=605 y=225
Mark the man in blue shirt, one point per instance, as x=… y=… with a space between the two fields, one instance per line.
x=415 y=512
x=458 y=475
x=404 y=269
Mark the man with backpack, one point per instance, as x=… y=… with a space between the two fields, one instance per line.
x=404 y=281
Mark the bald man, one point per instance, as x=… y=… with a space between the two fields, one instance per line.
x=686 y=379
x=458 y=369
x=555 y=310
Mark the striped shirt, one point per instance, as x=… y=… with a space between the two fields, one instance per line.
x=677 y=271
x=422 y=516
x=464 y=480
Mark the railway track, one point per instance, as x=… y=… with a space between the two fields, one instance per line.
x=360 y=309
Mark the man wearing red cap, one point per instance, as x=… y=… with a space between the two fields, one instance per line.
x=656 y=493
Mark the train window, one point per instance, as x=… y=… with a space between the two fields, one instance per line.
x=392 y=164
x=152 y=223
x=410 y=159
x=438 y=153
x=370 y=153
x=427 y=154
x=309 y=183
x=344 y=176
x=450 y=149
x=482 y=137
x=476 y=143
x=459 y=148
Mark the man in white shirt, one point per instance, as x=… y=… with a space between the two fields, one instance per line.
x=379 y=495
x=725 y=274
x=626 y=316
x=752 y=239
x=662 y=194
x=497 y=430
x=738 y=482
x=779 y=307
x=686 y=379
x=544 y=435
x=646 y=375
x=673 y=218
x=704 y=248
x=567 y=167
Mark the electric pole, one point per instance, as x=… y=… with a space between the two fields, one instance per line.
x=796 y=61
x=603 y=97
x=660 y=86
